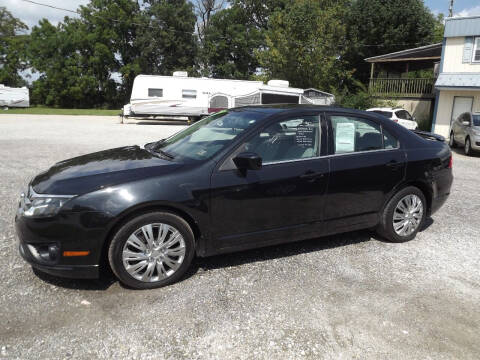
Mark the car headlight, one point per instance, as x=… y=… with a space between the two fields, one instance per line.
x=476 y=132
x=42 y=206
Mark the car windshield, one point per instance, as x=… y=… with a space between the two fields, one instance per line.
x=387 y=114
x=208 y=136
x=476 y=120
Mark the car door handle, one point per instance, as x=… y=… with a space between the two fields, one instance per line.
x=393 y=164
x=311 y=175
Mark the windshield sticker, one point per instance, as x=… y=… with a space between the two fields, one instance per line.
x=344 y=137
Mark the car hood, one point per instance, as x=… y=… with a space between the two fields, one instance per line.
x=98 y=170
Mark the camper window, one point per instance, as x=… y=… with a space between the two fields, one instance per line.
x=155 y=92
x=189 y=94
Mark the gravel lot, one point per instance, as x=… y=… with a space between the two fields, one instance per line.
x=341 y=297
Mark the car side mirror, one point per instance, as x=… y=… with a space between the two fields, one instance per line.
x=414 y=118
x=466 y=123
x=248 y=161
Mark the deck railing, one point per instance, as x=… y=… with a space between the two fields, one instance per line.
x=402 y=87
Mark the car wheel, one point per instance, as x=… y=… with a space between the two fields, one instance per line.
x=468 y=147
x=404 y=215
x=451 y=142
x=152 y=250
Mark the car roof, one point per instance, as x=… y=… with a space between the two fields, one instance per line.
x=384 y=109
x=281 y=108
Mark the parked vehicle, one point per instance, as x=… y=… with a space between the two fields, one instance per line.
x=401 y=116
x=239 y=179
x=180 y=95
x=465 y=131
x=14 y=97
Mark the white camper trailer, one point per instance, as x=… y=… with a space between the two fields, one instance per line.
x=14 y=97
x=180 y=95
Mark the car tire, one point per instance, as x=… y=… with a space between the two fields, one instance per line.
x=155 y=266
x=391 y=228
x=451 y=142
x=468 y=147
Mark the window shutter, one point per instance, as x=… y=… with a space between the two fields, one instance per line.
x=467 y=50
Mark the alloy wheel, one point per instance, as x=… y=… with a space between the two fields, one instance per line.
x=467 y=147
x=407 y=215
x=153 y=252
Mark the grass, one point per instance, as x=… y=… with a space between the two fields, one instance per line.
x=55 y=111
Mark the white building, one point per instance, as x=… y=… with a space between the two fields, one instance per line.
x=458 y=84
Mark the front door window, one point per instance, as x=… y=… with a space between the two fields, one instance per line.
x=287 y=140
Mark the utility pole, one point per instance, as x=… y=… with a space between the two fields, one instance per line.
x=450 y=9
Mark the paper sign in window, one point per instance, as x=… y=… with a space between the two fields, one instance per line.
x=305 y=136
x=344 y=137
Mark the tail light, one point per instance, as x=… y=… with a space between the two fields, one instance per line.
x=450 y=162
x=396 y=120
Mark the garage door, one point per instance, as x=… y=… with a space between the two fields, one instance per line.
x=461 y=104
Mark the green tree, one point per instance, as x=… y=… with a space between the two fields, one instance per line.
x=12 y=49
x=378 y=27
x=109 y=29
x=302 y=44
x=230 y=44
x=68 y=75
x=258 y=12
x=439 y=28
x=79 y=58
x=167 y=42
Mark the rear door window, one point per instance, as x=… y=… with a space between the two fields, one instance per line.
x=352 y=134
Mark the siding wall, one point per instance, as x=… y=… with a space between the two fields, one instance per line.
x=454 y=55
x=445 y=106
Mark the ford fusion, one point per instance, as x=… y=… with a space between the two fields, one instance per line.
x=243 y=178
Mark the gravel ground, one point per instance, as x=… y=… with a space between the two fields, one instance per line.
x=340 y=297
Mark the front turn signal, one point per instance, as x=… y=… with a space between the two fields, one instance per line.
x=76 y=253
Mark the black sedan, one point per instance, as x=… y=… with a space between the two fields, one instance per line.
x=239 y=179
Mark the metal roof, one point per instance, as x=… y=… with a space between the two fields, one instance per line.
x=427 y=52
x=458 y=80
x=462 y=26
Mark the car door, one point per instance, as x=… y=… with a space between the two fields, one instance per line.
x=366 y=164
x=455 y=125
x=282 y=201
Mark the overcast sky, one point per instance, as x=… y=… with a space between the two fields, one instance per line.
x=31 y=13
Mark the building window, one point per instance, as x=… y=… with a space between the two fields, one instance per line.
x=476 y=50
x=155 y=92
x=189 y=94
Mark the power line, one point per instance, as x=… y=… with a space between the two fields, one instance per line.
x=100 y=17
x=51 y=6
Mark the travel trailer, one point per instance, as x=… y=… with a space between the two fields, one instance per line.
x=180 y=95
x=14 y=97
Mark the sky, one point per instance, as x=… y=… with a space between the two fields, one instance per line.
x=30 y=14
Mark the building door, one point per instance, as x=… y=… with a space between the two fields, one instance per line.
x=461 y=104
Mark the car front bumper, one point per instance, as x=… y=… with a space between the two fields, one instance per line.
x=44 y=241
x=475 y=143
x=67 y=271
